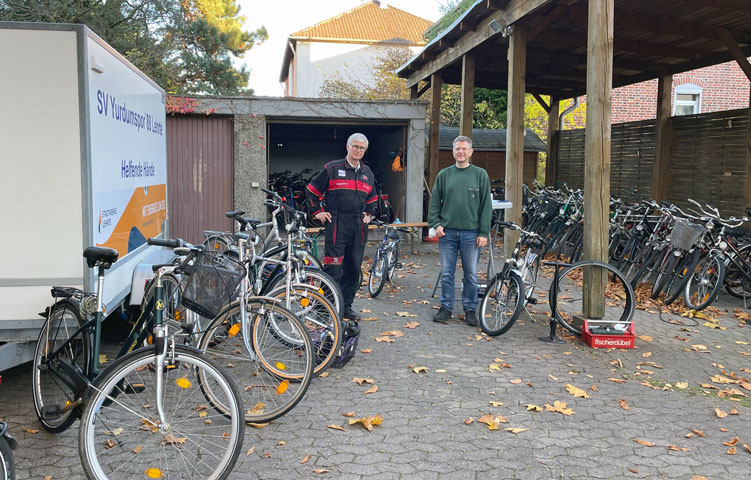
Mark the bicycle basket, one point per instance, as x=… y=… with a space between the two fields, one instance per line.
x=210 y=283
x=685 y=233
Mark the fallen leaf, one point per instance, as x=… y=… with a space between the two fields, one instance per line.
x=440 y=370
x=616 y=380
x=420 y=369
x=372 y=389
x=109 y=443
x=496 y=404
x=559 y=407
x=320 y=470
x=731 y=451
x=258 y=425
x=384 y=339
x=281 y=442
x=367 y=350
x=534 y=408
x=720 y=413
x=171 y=439
x=732 y=442
x=138 y=449
x=414 y=324
x=250 y=451
x=645 y=338
x=699 y=432
x=31 y=430
x=575 y=391
x=349 y=414
x=368 y=422
x=552 y=377
x=393 y=333
x=677 y=449
x=681 y=385
x=623 y=404
x=469 y=420
x=336 y=427
x=360 y=381
x=324 y=374
x=516 y=430
x=305 y=459
x=644 y=442
x=491 y=421
x=516 y=381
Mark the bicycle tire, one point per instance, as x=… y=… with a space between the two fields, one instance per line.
x=118 y=435
x=392 y=258
x=502 y=303
x=647 y=268
x=7 y=462
x=378 y=274
x=63 y=320
x=678 y=283
x=665 y=273
x=267 y=395
x=326 y=284
x=704 y=285
x=572 y=277
x=735 y=281
x=319 y=317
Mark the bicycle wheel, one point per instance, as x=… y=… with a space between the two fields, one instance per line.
x=50 y=360
x=502 y=303
x=736 y=283
x=267 y=394
x=679 y=280
x=567 y=295
x=324 y=282
x=648 y=267
x=7 y=462
x=378 y=273
x=318 y=316
x=121 y=435
x=704 y=285
x=665 y=273
x=216 y=243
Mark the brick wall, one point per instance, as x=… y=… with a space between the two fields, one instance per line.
x=724 y=87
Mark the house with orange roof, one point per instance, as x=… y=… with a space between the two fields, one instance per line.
x=347 y=45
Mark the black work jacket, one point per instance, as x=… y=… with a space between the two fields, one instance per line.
x=345 y=189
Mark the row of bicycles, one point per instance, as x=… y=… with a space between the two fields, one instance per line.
x=666 y=251
x=226 y=335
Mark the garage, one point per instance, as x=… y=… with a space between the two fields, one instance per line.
x=298 y=150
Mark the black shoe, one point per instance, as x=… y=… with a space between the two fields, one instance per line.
x=471 y=318
x=348 y=314
x=443 y=316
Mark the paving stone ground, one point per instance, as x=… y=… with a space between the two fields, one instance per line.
x=424 y=434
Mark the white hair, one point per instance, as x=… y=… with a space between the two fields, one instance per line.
x=358 y=137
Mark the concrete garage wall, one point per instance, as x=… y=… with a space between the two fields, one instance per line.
x=252 y=115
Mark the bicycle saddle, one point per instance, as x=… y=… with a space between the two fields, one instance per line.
x=100 y=255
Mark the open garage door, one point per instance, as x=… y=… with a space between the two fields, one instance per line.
x=297 y=151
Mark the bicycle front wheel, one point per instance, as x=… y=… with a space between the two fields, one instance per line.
x=121 y=434
x=704 y=285
x=271 y=392
x=378 y=273
x=568 y=296
x=58 y=348
x=502 y=303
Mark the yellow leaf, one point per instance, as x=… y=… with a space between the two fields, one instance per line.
x=372 y=389
x=420 y=369
x=393 y=333
x=559 y=407
x=644 y=442
x=677 y=449
x=731 y=451
x=576 y=392
x=516 y=381
x=360 y=381
x=720 y=413
x=368 y=422
x=250 y=451
x=138 y=449
x=646 y=354
x=534 y=408
x=384 y=339
x=516 y=430
x=496 y=367
x=349 y=414
x=623 y=404
x=681 y=385
x=258 y=425
x=320 y=470
x=469 y=420
x=31 y=430
x=367 y=350
x=414 y=324
x=440 y=370
x=496 y=404
x=336 y=427
x=645 y=338
x=616 y=380
x=171 y=439
x=305 y=459
x=552 y=377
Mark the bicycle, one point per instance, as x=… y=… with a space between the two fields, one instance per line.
x=7 y=445
x=147 y=405
x=386 y=260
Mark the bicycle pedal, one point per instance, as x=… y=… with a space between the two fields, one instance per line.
x=532 y=301
x=398 y=265
x=52 y=412
x=134 y=388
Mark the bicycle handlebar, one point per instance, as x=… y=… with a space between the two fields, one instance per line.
x=166 y=242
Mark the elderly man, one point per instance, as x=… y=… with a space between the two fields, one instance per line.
x=346 y=185
x=460 y=212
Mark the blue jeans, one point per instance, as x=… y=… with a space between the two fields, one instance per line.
x=465 y=243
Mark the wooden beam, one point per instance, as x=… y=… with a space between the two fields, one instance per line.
x=661 y=168
x=423 y=89
x=542 y=102
x=413 y=93
x=735 y=51
x=517 y=64
x=468 y=95
x=597 y=151
x=538 y=27
x=514 y=10
x=747 y=191
x=551 y=160
x=436 y=82
x=735 y=5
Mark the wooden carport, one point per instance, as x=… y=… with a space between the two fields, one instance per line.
x=568 y=48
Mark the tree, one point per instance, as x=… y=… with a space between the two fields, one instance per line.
x=489 y=107
x=186 y=46
x=383 y=85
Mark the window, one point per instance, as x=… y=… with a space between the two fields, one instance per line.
x=687 y=100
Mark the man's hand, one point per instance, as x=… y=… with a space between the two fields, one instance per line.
x=439 y=231
x=366 y=218
x=481 y=242
x=323 y=217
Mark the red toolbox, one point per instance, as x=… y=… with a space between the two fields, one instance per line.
x=625 y=340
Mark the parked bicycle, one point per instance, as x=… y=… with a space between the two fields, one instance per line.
x=7 y=445
x=386 y=260
x=162 y=406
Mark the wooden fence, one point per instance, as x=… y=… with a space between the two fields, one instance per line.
x=707 y=159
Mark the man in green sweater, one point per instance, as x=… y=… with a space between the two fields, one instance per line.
x=460 y=212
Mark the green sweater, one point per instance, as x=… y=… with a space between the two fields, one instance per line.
x=461 y=200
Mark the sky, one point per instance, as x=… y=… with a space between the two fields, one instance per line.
x=284 y=17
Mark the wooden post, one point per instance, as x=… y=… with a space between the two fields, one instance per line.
x=597 y=151
x=517 y=61
x=552 y=157
x=413 y=92
x=436 y=81
x=468 y=94
x=747 y=196
x=661 y=169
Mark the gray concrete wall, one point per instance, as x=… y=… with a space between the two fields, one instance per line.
x=251 y=143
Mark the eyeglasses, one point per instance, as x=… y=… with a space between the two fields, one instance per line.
x=358 y=147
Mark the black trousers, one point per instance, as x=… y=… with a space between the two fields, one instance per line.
x=345 y=243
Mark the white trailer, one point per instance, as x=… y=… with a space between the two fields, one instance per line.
x=84 y=162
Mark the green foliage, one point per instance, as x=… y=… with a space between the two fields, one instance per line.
x=451 y=10
x=384 y=84
x=186 y=46
x=489 y=108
